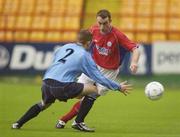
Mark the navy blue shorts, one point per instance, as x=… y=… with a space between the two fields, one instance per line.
x=52 y=90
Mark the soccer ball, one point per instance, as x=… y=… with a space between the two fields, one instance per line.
x=154 y=90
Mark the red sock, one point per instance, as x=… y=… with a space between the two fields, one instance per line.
x=72 y=113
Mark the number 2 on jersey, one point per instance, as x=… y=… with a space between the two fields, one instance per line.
x=69 y=52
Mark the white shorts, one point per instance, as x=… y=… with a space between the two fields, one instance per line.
x=110 y=74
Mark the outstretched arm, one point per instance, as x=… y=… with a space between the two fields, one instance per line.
x=89 y=68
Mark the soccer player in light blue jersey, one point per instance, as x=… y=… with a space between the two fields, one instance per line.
x=59 y=81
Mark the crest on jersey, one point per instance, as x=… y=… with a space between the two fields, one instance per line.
x=109 y=44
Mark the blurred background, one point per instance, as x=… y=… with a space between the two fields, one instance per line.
x=59 y=20
x=30 y=30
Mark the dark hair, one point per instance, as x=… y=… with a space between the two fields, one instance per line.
x=104 y=14
x=84 y=36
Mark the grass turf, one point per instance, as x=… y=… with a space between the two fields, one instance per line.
x=113 y=115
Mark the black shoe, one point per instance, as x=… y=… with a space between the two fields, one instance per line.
x=15 y=126
x=61 y=124
x=82 y=127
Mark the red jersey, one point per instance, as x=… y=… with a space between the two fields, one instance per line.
x=106 y=47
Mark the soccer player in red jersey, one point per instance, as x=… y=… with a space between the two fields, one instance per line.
x=108 y=47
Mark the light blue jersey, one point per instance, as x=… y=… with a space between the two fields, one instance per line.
x=70 y=61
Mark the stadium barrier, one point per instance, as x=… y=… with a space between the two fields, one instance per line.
x=34 y=58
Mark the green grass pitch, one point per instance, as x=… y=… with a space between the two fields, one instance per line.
x=113 y=115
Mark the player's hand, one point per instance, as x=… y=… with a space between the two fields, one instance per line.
x=125 y=87
x=133 y=68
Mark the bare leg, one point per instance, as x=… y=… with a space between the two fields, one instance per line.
x=88 y=89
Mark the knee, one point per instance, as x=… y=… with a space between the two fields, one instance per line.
x=102 y=91
x=42 y=105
